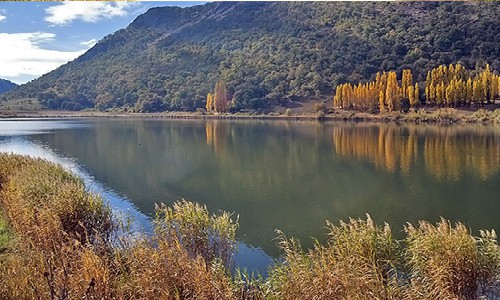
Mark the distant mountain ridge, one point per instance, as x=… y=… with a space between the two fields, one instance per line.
x=267 y=53
x=6 y=85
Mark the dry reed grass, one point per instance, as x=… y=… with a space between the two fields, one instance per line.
x=358 y=262
x=66 y=248
x=446 y=262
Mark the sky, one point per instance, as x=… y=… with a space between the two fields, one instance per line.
x=38 y=37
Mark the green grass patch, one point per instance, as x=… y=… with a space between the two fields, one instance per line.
x=6 y=235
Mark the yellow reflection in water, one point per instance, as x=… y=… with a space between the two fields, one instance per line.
x=216 y=136
x=447 y=152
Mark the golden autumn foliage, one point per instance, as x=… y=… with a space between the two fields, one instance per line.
x=384 y=93
x=397 y=148
x=218 y=101
x=210 y=103
x=445 y=86
x=453 y=86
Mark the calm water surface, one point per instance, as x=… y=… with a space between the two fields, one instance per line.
x=282 y=175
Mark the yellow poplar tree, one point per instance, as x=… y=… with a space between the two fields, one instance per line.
x=469 y=92
x=411 y=95
x=337 y=99
x=416 y=97
x=392 y=92
x=220 y=98
x=381 y=101
x=406 y=82
x=210 y=103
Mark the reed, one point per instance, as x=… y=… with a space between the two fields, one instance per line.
x=186 y=258
x=65 y=247
x=358 y=262
x=58 y=225
x=446 y=262
x=59 y=241
x=189 y=225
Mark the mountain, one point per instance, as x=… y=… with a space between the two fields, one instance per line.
x=6 y=85
x=267 y=53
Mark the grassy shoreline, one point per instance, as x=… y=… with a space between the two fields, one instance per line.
x=64 y=249
x=486 y=115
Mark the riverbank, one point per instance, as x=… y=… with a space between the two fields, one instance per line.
x=66 y=250
x=487 y=115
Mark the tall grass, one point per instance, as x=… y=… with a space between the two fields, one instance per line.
x=58 y=223
x=66 y=247
x=186 y=258
x=42 y=200
x=358 y=262
x=446 y=262
x=190 y=226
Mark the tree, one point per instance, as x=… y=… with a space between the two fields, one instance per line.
x=337 y=99
x=220 y=98
x=406 y=83
x=392 y=92
x=469 y=92
x=381 y=100
x=210 y=103
x=416 y=97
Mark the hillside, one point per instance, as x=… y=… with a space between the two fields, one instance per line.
x=6 y=85
x=267 y=52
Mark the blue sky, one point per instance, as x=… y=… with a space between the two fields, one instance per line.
x=37 y=37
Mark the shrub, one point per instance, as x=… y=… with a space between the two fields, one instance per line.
x=358 y=262
x=482 y=115
x=319 y=107
x=417 y=116
x=445 y=115
x=190 y=225
x=320 y=115
x=448 y=263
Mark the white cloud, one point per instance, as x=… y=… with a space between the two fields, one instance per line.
x=2 y=15
x=87 y=11
x=89 y=43
x=23 y=56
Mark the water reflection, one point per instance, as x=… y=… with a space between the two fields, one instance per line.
x=293 y=176
x=247 y=257
x=447 y=152
x=122 y=208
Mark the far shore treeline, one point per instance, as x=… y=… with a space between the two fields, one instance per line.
x=277 y=54
x=445 y=86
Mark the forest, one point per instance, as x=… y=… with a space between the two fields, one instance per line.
x=445 y=86
x=267 y=53
x=6 y=85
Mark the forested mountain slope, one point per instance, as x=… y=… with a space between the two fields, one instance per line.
x=6 y=85
x=267 y=52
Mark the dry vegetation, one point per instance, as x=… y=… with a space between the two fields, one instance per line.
x=66 y=247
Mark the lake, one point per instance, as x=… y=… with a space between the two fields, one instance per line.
x=284 y=175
